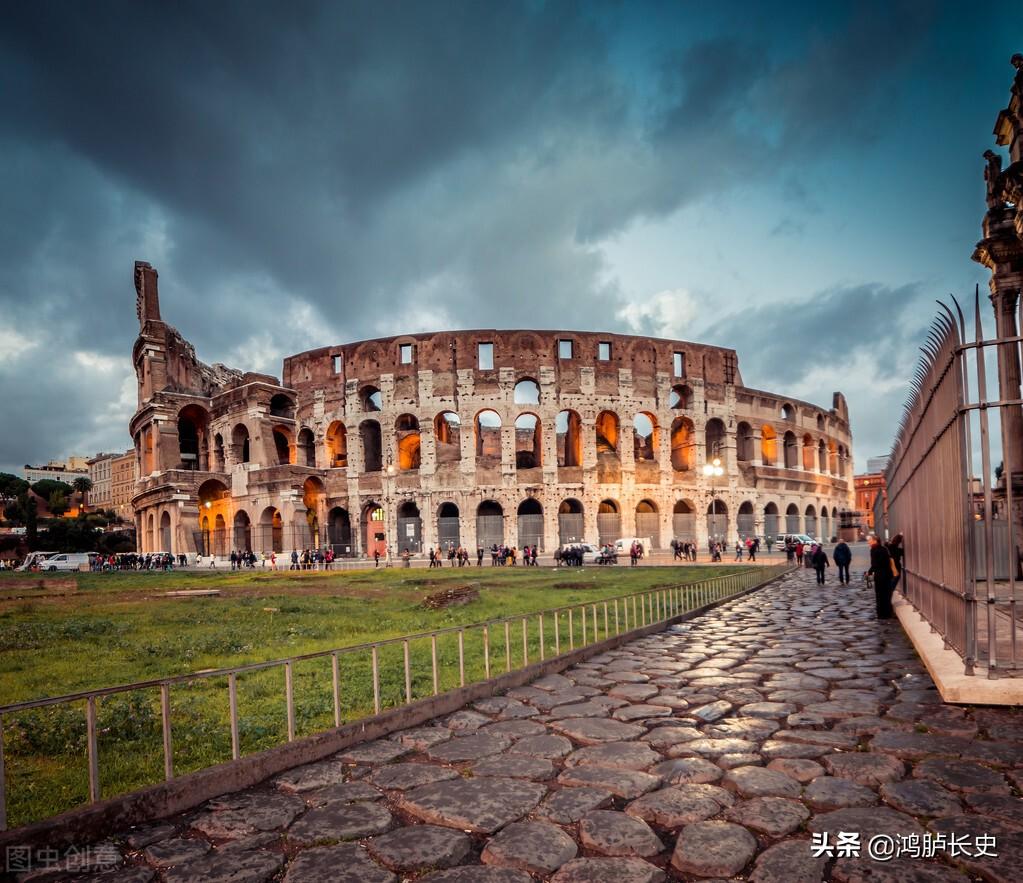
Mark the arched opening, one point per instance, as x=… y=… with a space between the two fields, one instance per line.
x=528 y=449
x=645 y=437
x=214 y=505
x=680 y=397
x=771 y=523
x=314 y=497
x=792 y=519
x=820 y=423
x=372 y=446
x=489 y=524
x=282 y=445
x=271 y=530
x=648 y=523
x=218 y=453
x=165 y=533
x=570 y=522
x=219 y=536
x=609 y=522
x=446 y=435
x=832 y=458
x=842 y=461
x=791 y=451
x=825 y=525
x=527 y=392
x=607 y=430
x=240 y=443
x=370 y=399
x=205 y=544
x=306 y=448
x=449 y=532
x=530 y=523
x=568 y=426
x=337 y=445
x=406 y=429
x=683 y=445
x=339 y=531
x=242 y=531
x=192 y=423
x=768 y=445
x=745 y=520
x=822 y=456
x=808 y=453
x=374 y=529
x=282 y=406
x=717 y=521
x=810 y=528
x=787 y=412
x=410 y=528
x=744 y=442
x=714 y=434
x=488 y=438
x=683 y=521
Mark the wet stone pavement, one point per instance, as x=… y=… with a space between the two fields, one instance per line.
x=711 y=751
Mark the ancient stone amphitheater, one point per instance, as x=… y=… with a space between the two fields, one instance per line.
x=473 y=438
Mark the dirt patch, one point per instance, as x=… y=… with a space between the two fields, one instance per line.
x=579 y=585
x=455 y=596
x=13 y=588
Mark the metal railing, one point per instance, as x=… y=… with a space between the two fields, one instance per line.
x=959 y=513
x=507 y=643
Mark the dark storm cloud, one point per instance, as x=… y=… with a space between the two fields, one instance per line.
x=307 y=172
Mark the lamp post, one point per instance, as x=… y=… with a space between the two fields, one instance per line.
x=713 y=471
x=389 y=472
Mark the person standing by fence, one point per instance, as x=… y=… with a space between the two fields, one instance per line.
x=897 y=552
x=881 y=567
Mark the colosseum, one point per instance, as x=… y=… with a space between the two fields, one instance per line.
x=473 y=438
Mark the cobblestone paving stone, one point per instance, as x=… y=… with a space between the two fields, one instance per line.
x=708 y=751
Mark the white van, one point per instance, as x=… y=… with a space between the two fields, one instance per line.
x=66 y=561
x=35 y=559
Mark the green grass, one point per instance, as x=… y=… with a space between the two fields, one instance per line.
x=119 y=628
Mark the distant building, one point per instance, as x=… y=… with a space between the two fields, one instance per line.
x=100 y=473
x=59 y=470
x=123 y=475
x=868 y=487
x=877 y=464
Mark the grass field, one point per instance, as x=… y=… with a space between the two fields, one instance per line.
x=120 y=628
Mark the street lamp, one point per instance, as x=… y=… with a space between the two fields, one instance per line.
x=714 y=469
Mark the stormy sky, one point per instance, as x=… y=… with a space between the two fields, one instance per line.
x=797 y=181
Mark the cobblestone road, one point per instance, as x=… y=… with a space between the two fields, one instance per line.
x=711 y=751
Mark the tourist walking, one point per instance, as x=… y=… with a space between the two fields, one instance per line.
x=842 y=556
x=479 y=556
x=820 y=562
x=882 y=569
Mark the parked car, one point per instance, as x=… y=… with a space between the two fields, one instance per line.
x=590 y=552
x=795 y=538
x=66 y=561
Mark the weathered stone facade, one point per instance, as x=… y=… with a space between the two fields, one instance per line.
x=472 y=437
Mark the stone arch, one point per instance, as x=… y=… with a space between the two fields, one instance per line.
x=219 y=535
x=609 y=521
x=568 y=426
x=219 y=457
x=683 y=521
x=337 y=445
x=530 y=523
x=791 y=450
x=240 y=443
x=792 y=519
x=607 y=430
x=825 y=525
x=166 y=538
x=372 y=447
x=447 y=430
x=645 y=436
x=787 y=412
x=768 y=445
x=717 y=521
x=832 y=458
x=370 y=398
x=271 y=529
x=744 y=442
x=820 y=423
x=528 y=442
x=306 y=447
x=714 y=437
x=746 y=520
x=681 y=397
x=373 y=522
x=648 y=522
x=449 y=526
x=314 y=497
x=810 y=525
x=683 y=445
x=151 y=539
x=822 y=456
x=571 y=526
x=772 y=522
x=488 y=437
x=193 y=425
x=489 y=524
x=526 y=392
x=410 y=527
x=242 y=540
x=409 y=443
x=808 y=453
x=283 y=406
x=339 y=530
x=284 y=445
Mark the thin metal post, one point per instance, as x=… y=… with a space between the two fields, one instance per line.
x=557 y=633
x=635 y=618
x=335 y=677
x=617 y=630
x=540 y=627
x=571 y=631
x=289 y=696
x=582 y=610
x=93 y=748
x=525 y=642
x=486 y=651
x=168 y=750
x=607 y=634
x=376 y=680
x=408 y=672
x=3 y=780
x=507 y=645
x=436 y=670
x=232 y=701
x=596 y=625
x=461 y=657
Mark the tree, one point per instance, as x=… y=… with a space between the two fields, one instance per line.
x=83 y=485
x=46 y=486
x=11 y=487
x=30 y=508
x=57 y=503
